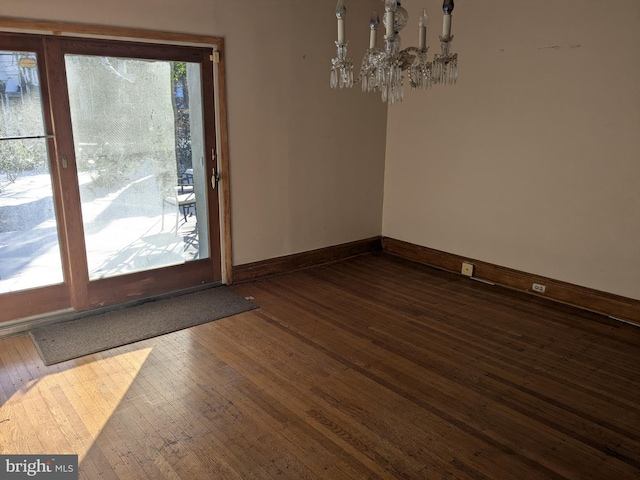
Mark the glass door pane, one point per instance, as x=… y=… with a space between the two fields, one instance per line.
x=139 y=149
x=29 y=246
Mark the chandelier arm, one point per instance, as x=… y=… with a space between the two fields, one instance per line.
x=408 y=55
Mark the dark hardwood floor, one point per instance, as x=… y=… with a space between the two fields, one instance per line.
x=373 y=367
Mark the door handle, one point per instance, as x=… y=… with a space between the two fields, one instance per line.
x=215 y=178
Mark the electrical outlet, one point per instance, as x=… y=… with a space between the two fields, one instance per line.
x=537 y=287
x=467 y=269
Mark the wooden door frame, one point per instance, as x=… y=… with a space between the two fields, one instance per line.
x=216 y=44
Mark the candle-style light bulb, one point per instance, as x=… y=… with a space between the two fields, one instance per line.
x=424 y=18
x=375 y=21
x=447 y=7
x=390 y=5
x=373 y=25
x=422 y=30
x=341 y=12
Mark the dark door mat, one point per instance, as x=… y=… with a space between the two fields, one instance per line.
x=68 y=340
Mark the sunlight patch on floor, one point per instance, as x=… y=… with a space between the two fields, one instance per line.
x=73 y=404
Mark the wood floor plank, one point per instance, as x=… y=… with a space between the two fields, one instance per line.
x=278 y=383
x=437 y=419
x=341 y=304
x=361 y=440
x=369 y=368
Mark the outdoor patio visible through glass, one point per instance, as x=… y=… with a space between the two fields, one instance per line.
x=139 y=156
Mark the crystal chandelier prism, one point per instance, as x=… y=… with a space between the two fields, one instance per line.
x=382 y=68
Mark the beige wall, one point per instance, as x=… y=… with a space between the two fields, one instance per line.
x=532 y=161
x=307 y=162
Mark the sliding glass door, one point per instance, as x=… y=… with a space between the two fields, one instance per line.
x=29 y=246
x=105 y=187
x=135 y=149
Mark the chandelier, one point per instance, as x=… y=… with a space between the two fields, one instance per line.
x=382 y=68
